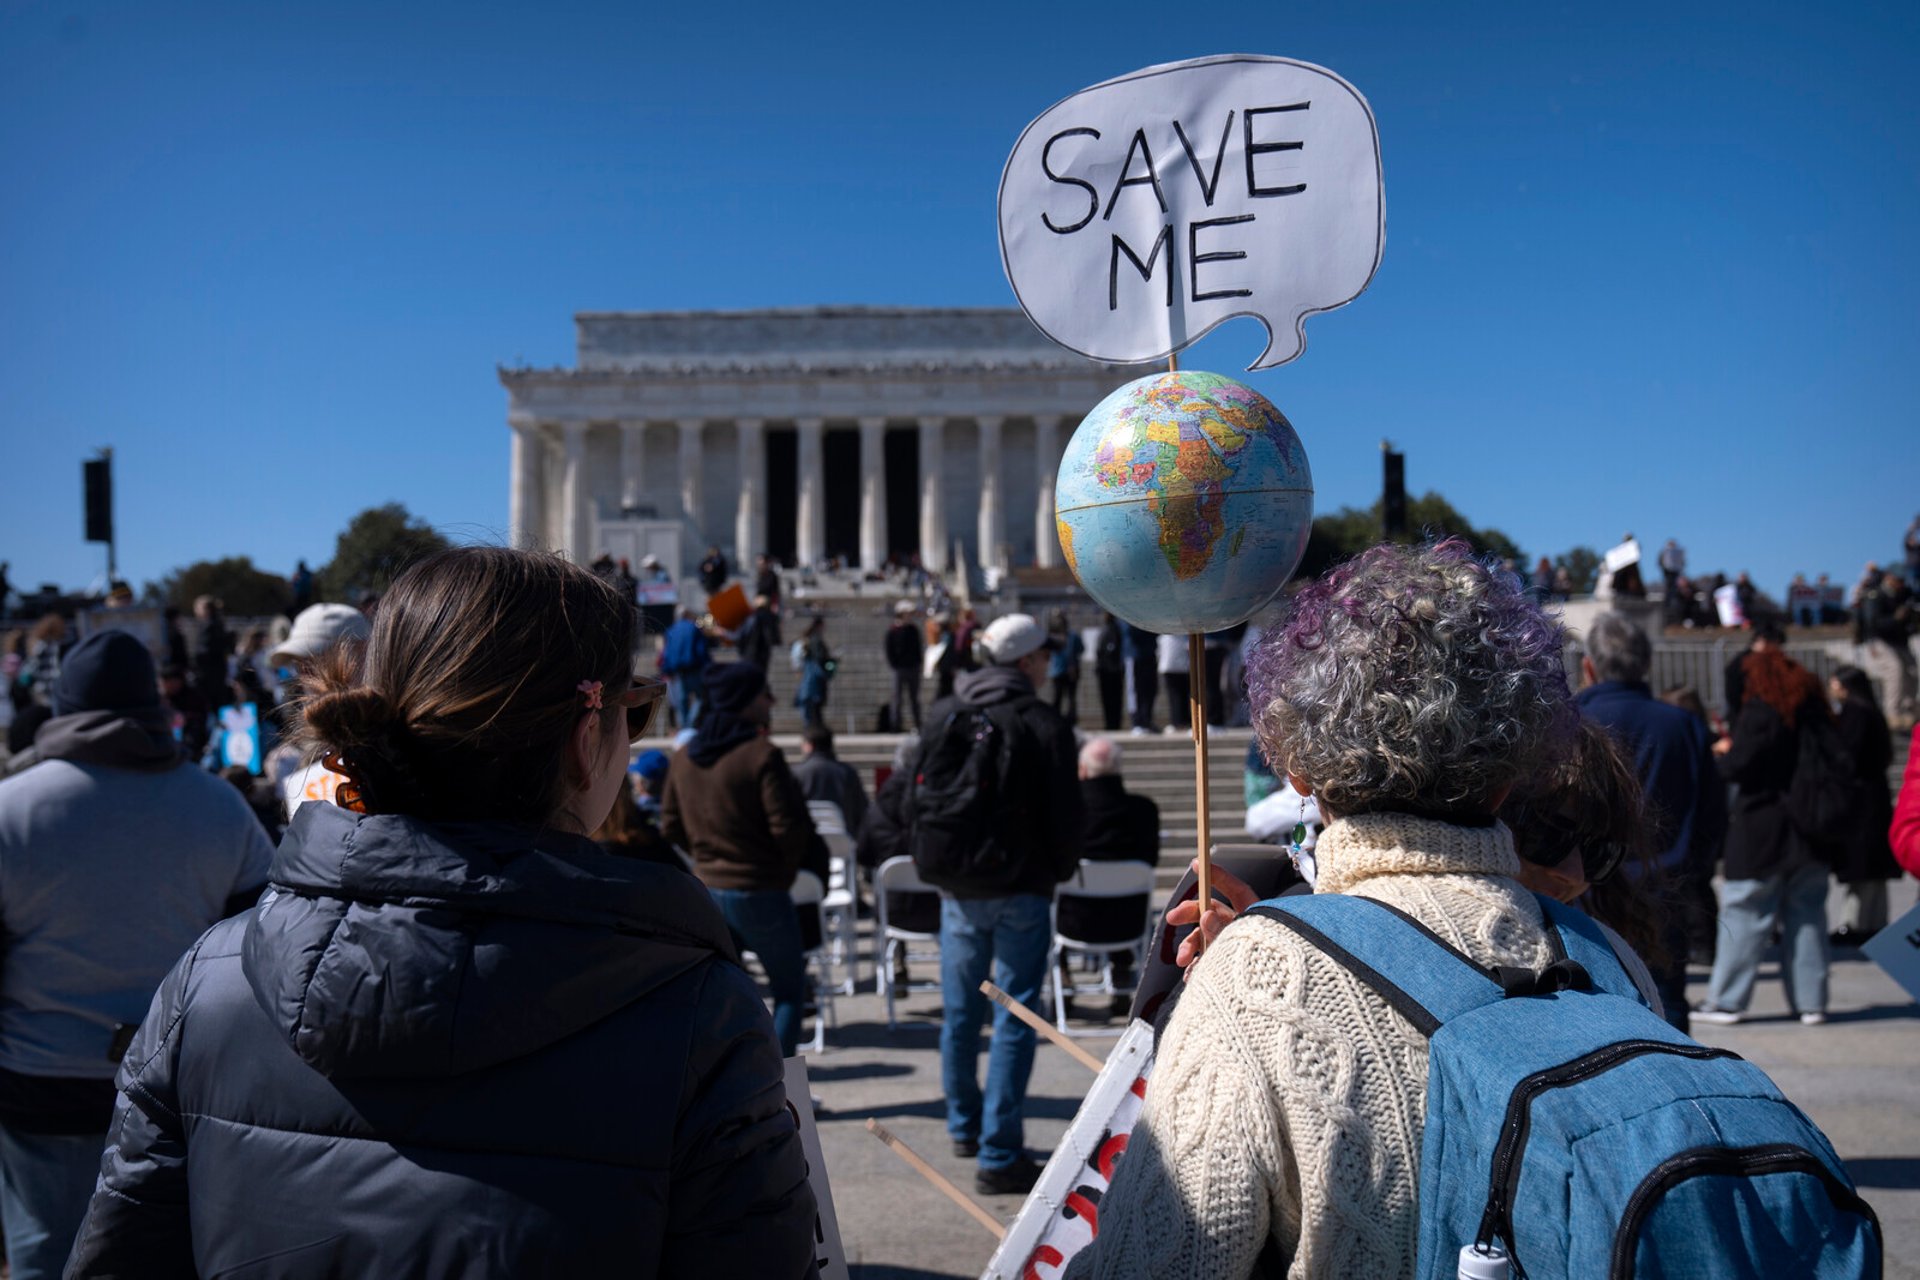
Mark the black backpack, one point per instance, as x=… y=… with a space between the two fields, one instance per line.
x=956 y=801
x=1825 y=800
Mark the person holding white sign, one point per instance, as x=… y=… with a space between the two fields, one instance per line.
x=1410 y=691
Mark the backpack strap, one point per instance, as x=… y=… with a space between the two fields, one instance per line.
x=1587 y=945
x=1406 y=964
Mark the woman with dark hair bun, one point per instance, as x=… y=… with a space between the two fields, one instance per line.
x=455 y=1037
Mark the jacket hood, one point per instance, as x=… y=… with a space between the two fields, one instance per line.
x=123 y=739
x=388 y=946
x=991 y=685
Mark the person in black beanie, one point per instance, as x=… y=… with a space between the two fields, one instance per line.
x=732 y=803
x=114 y=856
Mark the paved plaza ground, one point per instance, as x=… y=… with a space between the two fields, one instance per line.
x=1857 y=1076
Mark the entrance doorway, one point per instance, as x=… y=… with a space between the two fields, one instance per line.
x=783 y=493
x=840 y=459
x=901 y=452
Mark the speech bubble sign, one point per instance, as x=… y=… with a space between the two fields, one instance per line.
x=1139 y=214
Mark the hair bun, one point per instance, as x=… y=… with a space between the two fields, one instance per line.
x=351 y=717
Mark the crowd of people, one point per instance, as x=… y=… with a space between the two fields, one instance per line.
x=453 y=982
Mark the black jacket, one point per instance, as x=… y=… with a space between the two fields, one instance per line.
x=1121 y=826
x=461 y=1050
x=1044 y=820
x=904 y=647
x=1761 y=842
x=1867 y=854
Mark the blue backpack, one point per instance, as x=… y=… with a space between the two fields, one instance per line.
x=1571 y=1126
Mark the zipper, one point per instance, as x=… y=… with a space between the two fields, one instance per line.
x=1497 y=1221
x=1743 y=1162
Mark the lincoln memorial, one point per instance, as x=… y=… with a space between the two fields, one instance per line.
x=815 y=433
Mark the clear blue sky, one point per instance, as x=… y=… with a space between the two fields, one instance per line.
x=1647 y=267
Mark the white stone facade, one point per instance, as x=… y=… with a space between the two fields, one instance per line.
x=810 y=433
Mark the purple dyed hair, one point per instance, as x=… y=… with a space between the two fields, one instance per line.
x=1412 y=678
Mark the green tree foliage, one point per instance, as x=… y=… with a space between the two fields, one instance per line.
x=373 y=549
x=1582 y=565
x=245 y=590
x=1350 y=530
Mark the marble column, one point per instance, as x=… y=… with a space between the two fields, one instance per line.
x=526 y=522
x=810 y=538
x=1046 y=449
x=990 y=527
x=933 y=500
x=873 y=493
x=690 y=486
x=633 y=464
x=750 y=517
x=574 y=500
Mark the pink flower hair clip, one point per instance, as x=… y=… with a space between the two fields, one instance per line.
x=592 y=689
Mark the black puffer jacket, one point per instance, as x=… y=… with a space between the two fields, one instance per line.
x=459 y=1050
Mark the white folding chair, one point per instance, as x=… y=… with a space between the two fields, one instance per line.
x=1096 y=882
x=809 y=897
x=827 y=817
x=842 y=929
x=899 y=875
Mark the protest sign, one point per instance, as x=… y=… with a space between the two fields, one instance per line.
x=1896 y=949
x=827 y=1253
x=1726 y=603
x=1618 y=558
x=239 y=726
x=1140 y=213
x=1062 y=1213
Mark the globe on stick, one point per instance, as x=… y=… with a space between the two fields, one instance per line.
x=1184 y=502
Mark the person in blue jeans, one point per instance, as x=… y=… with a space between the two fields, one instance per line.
x=1001 y=927
x=733 y=804
x=1772 y=872
x=1005 y=940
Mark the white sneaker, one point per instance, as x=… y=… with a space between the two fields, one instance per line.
x=1140 y=731
x=1812 y=1019
x=1719 y=1017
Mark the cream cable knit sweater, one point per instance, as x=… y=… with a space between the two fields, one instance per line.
x=1286 y=1098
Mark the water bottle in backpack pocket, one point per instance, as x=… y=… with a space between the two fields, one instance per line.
x=1573 y=1130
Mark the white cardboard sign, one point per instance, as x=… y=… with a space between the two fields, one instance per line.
x=1896 y=949
x=1062 y=1212
x=1140 y=213
x=827 y=1253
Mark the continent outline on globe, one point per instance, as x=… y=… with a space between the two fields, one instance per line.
x=1175 y=444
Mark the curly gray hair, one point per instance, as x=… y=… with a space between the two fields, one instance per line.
x=1412 y=678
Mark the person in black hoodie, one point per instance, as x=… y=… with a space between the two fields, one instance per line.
x=455 y=1037
x=1866 y=860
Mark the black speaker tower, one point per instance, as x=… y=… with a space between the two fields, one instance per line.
x=96 y=479
x=1393 y=491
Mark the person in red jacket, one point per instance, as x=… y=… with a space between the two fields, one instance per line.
x=1904 y=834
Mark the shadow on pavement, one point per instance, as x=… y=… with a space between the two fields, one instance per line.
x=859 y=1272
x=856 y=1071
x=1889 y=1173
x=1037 y=1108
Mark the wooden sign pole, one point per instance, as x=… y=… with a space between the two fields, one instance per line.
x=1197 y=711
x=938 y=1179
x=1041 y=1025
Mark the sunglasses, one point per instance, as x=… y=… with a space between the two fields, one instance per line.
x=641 y=699
x=1599 y=859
